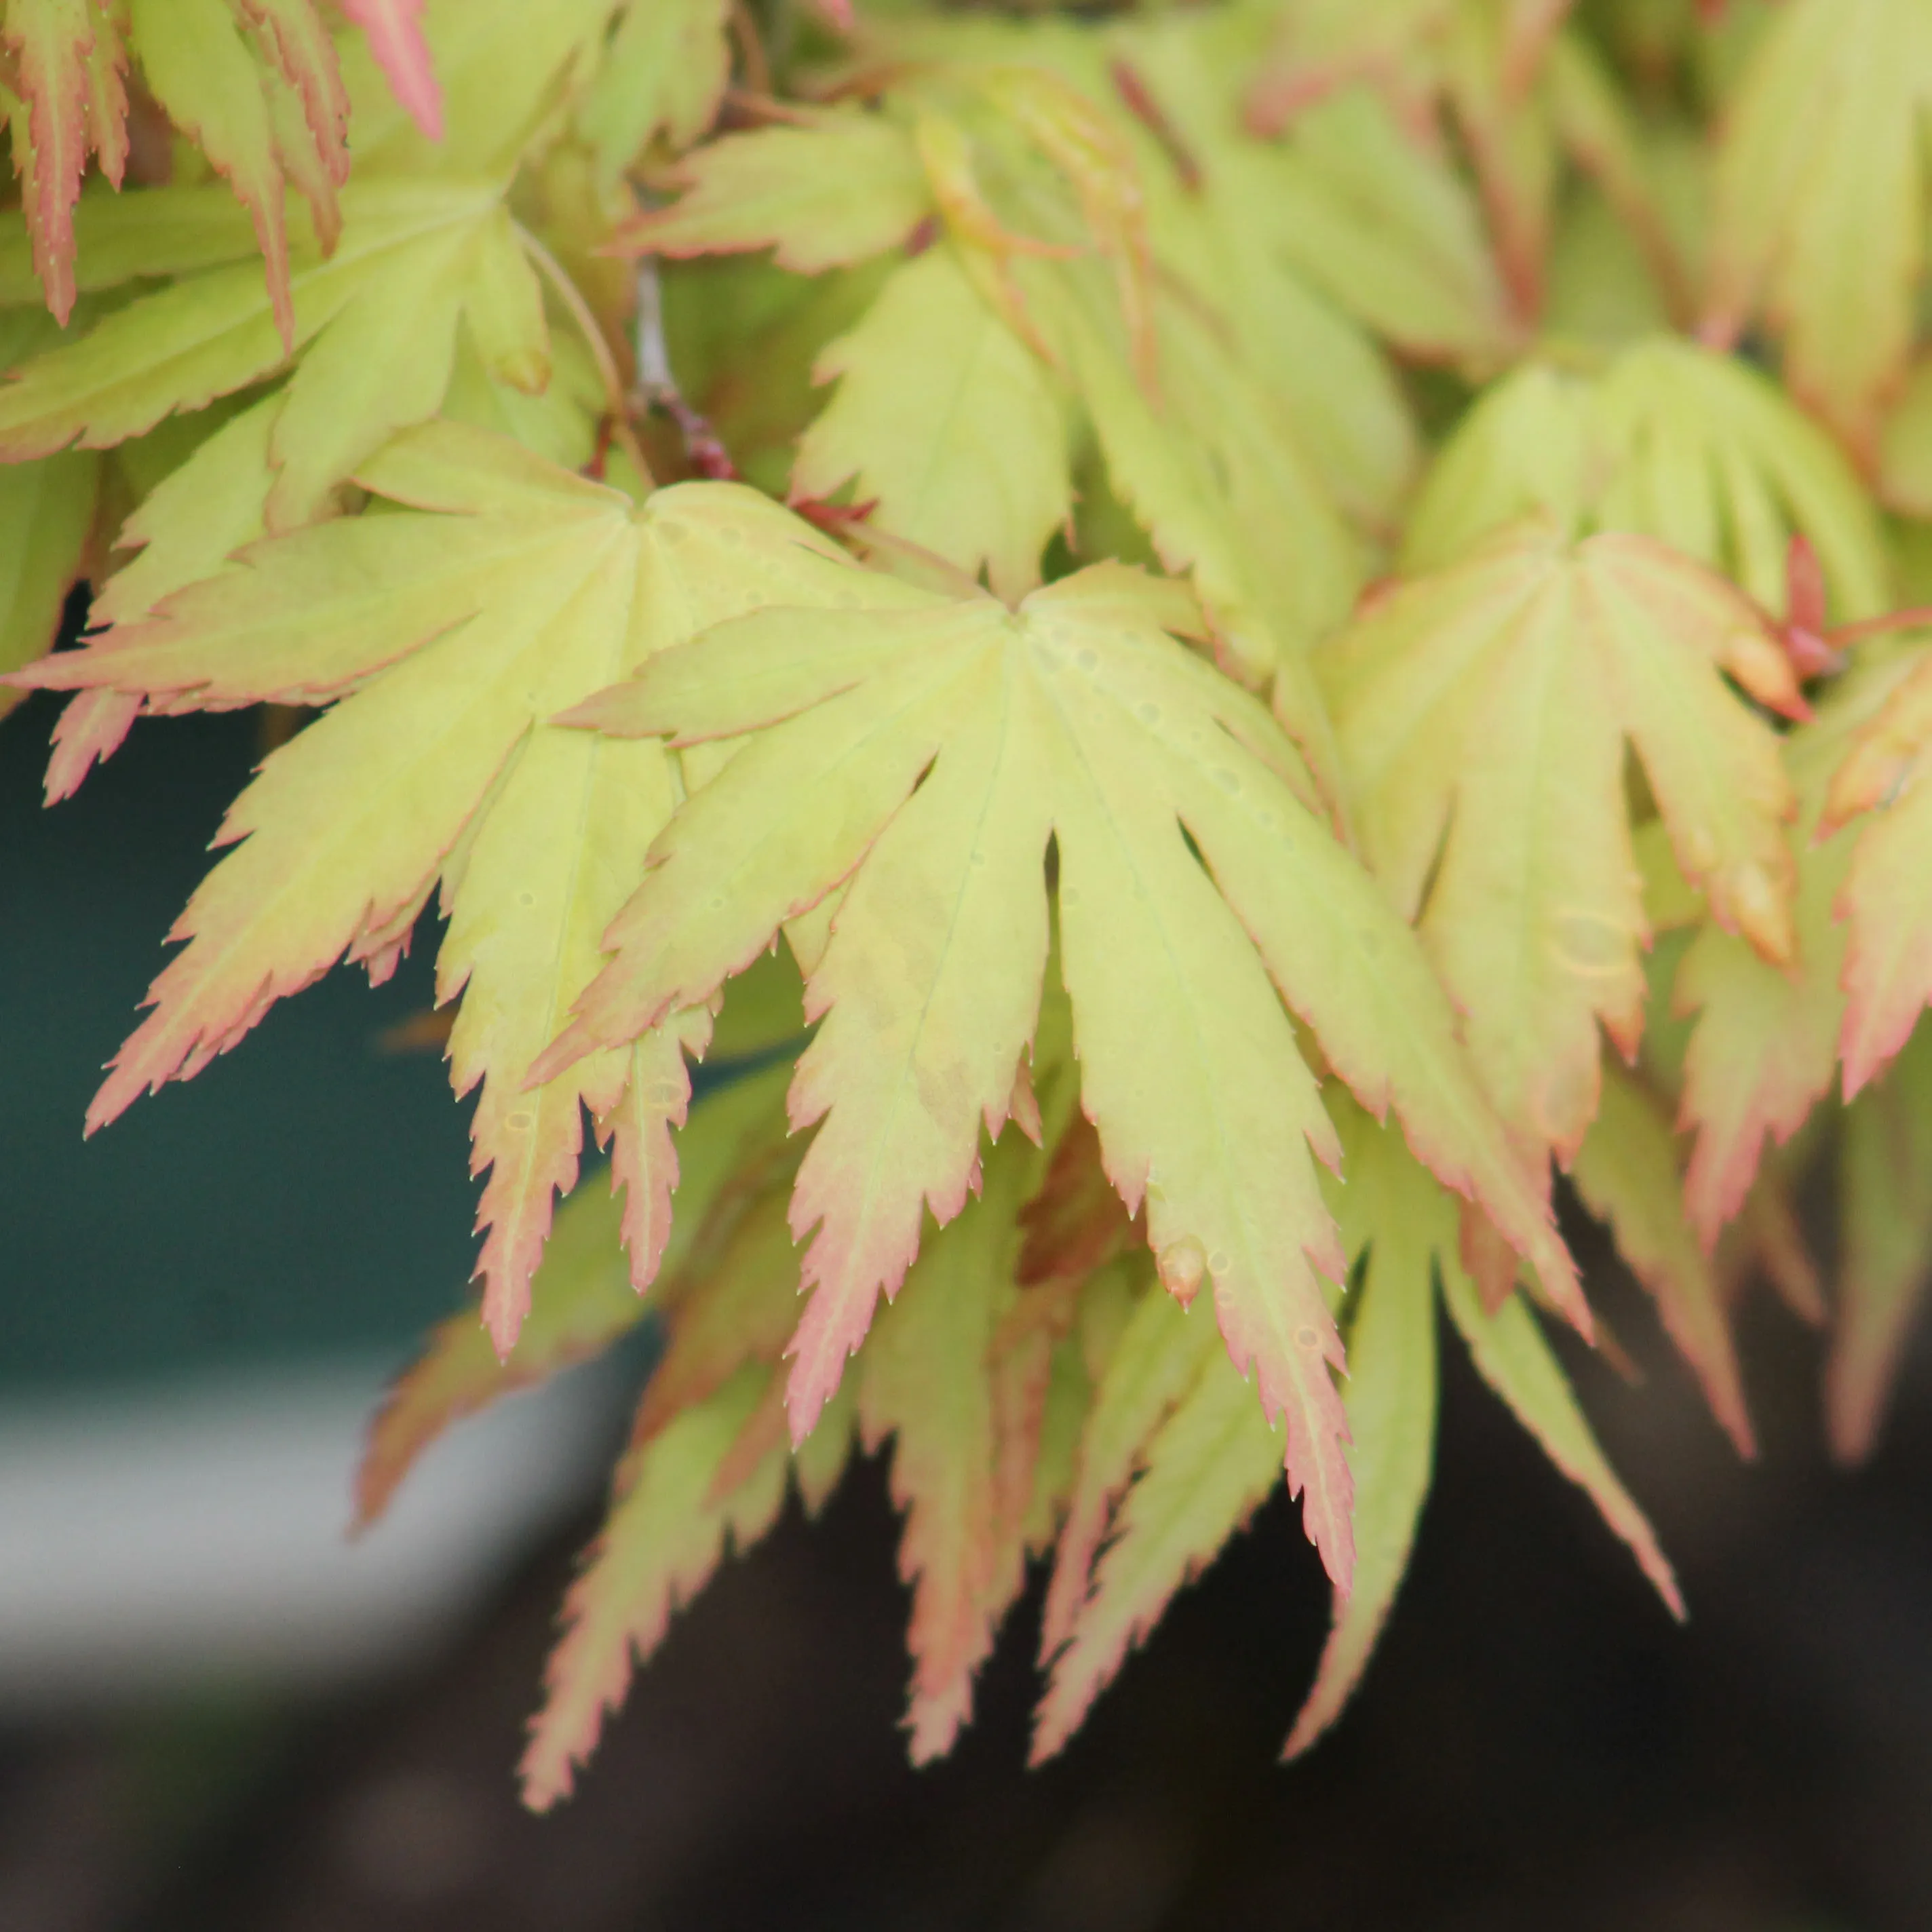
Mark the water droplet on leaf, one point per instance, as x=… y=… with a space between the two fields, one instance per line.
x=1591 y=945
x=1183 y=1263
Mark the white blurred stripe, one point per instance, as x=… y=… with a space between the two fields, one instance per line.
x=158 y=1537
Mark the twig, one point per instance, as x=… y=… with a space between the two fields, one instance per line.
x=657 y=387
x=595 y=340
x=750 y=49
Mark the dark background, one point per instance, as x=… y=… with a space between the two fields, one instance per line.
x=1537 y=1745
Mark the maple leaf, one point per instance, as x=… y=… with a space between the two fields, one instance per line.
x=1159 y=1356
x=1767 y=1039
x=48 y=512
x=664 y=72
x=57 y=47
x=843 y=186
x=581 y=1296
x=1482 y=710
x=931 y=368
x=503 y=591
x=1626 y=1173
x=1670 y=440
x=1820 y=217
x=378 y=323
x=253 y=83
x=1375 y=219
x=1205 y=455
x=1395 y=1214
x=46 y=517
x=1215 y=221
x=930 y=1379
x=943 y=745
x=1888 y=971
x=1211 y=1463
x=1885 y=1157
x=396 y=39
x=667 y=1532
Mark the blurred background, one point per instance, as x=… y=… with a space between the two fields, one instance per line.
x=215 y=1712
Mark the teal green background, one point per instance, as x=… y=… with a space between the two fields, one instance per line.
x=306 y=1196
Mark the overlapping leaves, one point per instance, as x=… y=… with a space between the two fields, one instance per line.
x=1483 y=711
x=945 y=744
x=503 y=591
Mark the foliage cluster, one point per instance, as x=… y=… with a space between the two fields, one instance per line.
x=1159 y=626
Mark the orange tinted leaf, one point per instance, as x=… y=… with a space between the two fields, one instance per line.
x=581 y=1297
x=50 y=41
x=1208 y=1469
x=394 y=28
x=666 y=1535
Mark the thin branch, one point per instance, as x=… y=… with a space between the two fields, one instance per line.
x=657 y=387
x=571 y=296
x=750 y=49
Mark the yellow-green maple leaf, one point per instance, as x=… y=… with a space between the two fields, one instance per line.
x=1821 y=208
x=501 y=592
x=663 y=72
x=936 y=749
x=1885 y=1157
x=1627 y=1171
x=946 y=423
x=377 y=323
x=1396 y=1218
x=582 y=1298
x=1482 y=710
x=1768 y=1037
x=1670 y=439
x=843 y=186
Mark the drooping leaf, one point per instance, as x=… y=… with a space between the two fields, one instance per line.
x=667 y=1532
x=1627 y=1172
x=1512 y=1357
x=1160 y=1353
x=1210 y=1465
x=1392 y=1212
x=51 y=43
x=943 y=744
x=929 y=1381
x=1767 y=1038
x=582 y=1298
x=1884 y=903
x=1482 y=711
x=1885 y=1202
